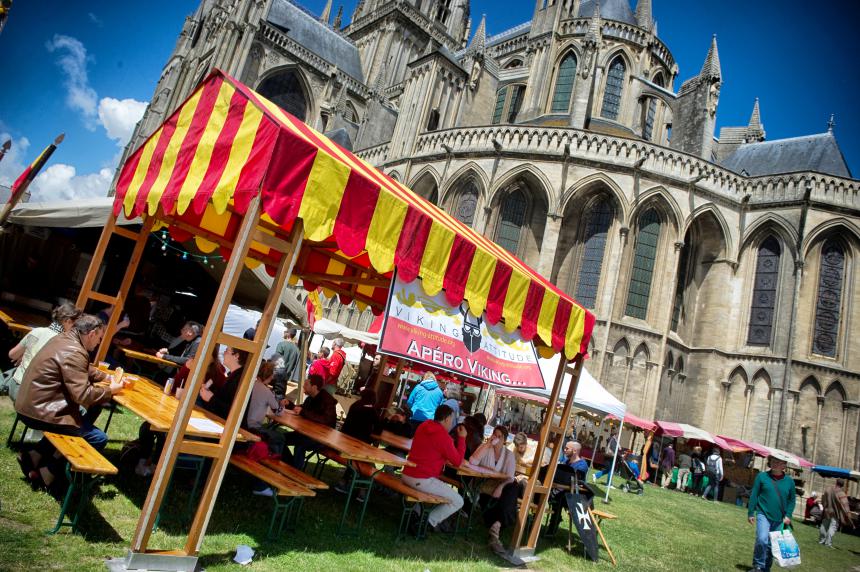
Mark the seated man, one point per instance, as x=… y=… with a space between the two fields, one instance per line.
x=185 y=346
x=58 y=383
x=570 y=466
x=432 y=447
x=319 y=406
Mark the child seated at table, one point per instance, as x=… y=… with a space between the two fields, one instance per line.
x=264 y=403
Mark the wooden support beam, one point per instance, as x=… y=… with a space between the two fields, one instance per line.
x=200 y=448
x=243 y=393
x=272 y=241
x=555 y=433
x=99 y=297
x=358 y=280
x=126 y=233
x=176 y=435
x=236 y=342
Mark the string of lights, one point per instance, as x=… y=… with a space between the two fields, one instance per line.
x=169 y=246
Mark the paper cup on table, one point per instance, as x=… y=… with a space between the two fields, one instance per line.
x=104 y=366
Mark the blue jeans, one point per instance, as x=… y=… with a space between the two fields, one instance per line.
x=600 y=474
x=762 y=555
x=90 y=433
x=715 y=484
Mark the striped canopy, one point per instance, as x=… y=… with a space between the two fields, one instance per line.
x=226 y=144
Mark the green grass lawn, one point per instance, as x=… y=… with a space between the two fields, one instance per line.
x=658 y=531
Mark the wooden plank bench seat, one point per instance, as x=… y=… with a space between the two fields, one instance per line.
x=289 y=494
x=84 y=465
x=294 y=474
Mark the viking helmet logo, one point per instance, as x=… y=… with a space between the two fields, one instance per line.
x=471 y=330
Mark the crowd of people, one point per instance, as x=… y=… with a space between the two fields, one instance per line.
x=56 y=388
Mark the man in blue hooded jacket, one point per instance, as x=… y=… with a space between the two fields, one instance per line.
x=424 y=399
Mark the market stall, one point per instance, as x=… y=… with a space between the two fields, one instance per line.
x=236 y=174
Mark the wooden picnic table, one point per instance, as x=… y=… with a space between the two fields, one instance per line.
x=148 y=401
x=467 y=469
x=348 y=447
x=393 y=440
x=22 y=321
x=142 y=356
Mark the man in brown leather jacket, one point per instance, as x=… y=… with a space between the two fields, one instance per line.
x=58 y=382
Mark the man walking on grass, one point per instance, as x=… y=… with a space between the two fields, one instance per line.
x=771 y=505
x=836 y=512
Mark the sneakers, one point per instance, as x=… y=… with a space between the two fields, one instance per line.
x=593 y=478
x=267 y=492
x=444 y=527
x=341 y=487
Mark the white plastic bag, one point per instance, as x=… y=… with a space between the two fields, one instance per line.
x=785 y=550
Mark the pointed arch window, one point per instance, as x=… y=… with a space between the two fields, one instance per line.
x=512 y=218
x=648 y=128
x=284 y=89
x=467 y=203
x=644 y=257
x=764 y=293
x=829 y=302
x=597 y=225
x=680 y=283
x=564 y=84
x=509 y=99
x=614 y=88
x=500 y=104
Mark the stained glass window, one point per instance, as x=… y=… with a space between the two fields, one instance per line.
x=594 y=245
x=466 y=204
x=284 y=90
x=648 y=129
x=513 y=216
x=517 y=92
x=614 y=87
x=644 y=258
x=500 y=104
x=564 y=84
x=764 y=293
x=828 y=305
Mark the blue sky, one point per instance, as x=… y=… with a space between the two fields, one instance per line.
x=87 y=68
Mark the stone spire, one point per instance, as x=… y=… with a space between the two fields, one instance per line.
x=592 y=34
x=644 y=16
x=326 y=13
x=755 y=129
x=379 y=83
x=338 y=17
x=479 y=40
x=711 y=67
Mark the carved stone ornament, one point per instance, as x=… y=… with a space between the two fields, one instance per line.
x=713 y=98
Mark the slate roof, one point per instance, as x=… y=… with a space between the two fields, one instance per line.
x=517 y=30
x=307 y=31
x=618 y=10
x=819 y=153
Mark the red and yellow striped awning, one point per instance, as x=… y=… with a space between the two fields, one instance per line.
x=226 y=144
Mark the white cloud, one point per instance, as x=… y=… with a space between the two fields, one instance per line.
x=14 y=162
x=119 y=117
x=73 y=61
x=95 y=20
x=61 y=182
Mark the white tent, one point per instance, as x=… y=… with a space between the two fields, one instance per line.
x=331 y=330
x=239 y=319
x=590 y=395
x=77 y=213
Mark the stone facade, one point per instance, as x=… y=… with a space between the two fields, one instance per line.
x=723 y=300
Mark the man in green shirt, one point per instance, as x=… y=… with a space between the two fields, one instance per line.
x=771 y=505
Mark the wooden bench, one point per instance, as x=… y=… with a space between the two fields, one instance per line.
x=84 y=465
x=294 y=474
x=288 y=498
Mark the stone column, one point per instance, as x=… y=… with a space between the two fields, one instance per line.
x=549 y=244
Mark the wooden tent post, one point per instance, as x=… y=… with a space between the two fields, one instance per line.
x=117 y=302
x=303 y=371
x=555 y=433
x=212 y=335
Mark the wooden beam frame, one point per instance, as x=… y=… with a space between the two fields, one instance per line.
x=117 y=302
x=555 y=434
x=212 y=334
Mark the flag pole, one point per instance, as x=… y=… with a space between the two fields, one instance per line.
x=20 y=186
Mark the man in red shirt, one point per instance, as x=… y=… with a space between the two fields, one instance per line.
x=335 y=365
x=432 y=447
